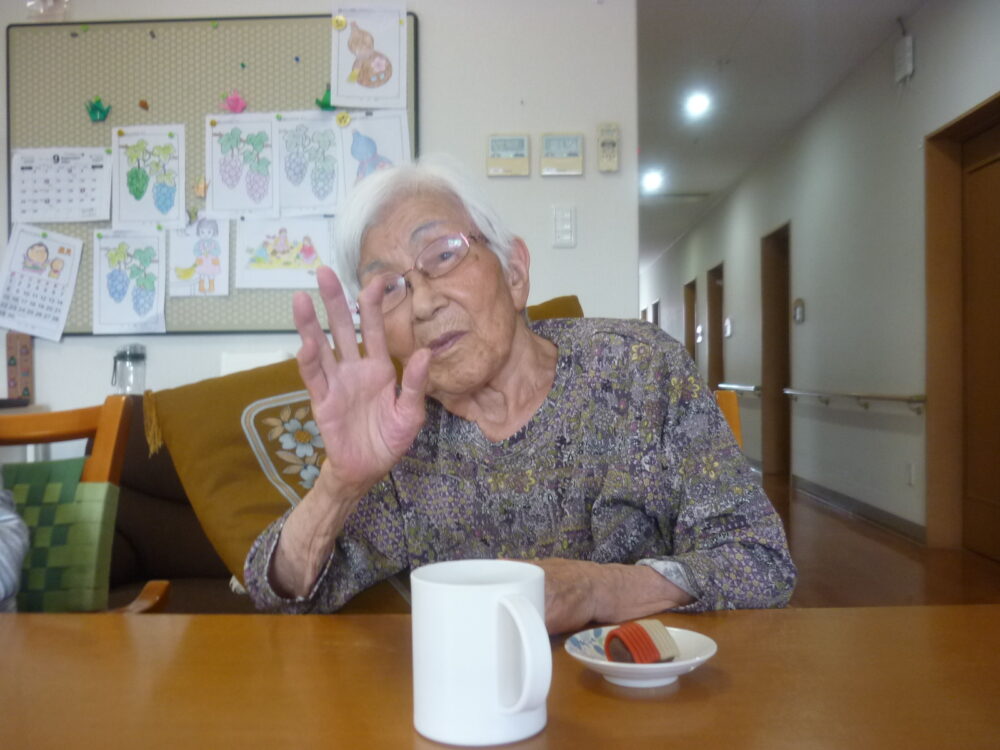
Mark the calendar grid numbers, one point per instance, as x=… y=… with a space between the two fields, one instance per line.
x=39 y=274
x=60 y=185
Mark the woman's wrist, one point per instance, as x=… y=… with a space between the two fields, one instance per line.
x=309 y=535
x=625 y=592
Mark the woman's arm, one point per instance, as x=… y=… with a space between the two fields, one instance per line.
x=578 y=592
x=687 y=511
x=369 y=548
x=726 y=537
x=309 y=535
x=366 y=426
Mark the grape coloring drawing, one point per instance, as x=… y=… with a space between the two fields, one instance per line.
x=132 y=268
x=309 y=152
x=152 y=163
x=243 y=158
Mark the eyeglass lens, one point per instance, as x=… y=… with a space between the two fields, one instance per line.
x=439 y=257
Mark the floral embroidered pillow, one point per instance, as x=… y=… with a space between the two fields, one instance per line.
x=286 y=442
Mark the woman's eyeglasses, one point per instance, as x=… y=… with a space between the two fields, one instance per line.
x=440 y=257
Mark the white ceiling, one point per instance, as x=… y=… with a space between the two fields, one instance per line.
x=767 y=64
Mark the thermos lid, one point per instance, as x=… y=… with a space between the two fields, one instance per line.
x=131 y=353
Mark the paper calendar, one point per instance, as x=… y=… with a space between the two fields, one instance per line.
x=60 y=185
x=38 y=278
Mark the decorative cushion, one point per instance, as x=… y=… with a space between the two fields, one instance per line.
x=71 y=524
x=557 y=307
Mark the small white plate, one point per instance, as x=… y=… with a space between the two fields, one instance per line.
x=587 y=647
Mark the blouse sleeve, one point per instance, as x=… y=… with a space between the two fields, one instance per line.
x=13 y=547
x=728 y=544
x=370 y=549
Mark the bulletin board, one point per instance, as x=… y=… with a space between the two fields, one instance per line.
x=164 y=72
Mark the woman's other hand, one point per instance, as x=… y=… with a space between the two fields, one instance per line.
x=578 y=592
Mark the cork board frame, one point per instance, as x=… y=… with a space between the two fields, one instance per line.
x=180 y=68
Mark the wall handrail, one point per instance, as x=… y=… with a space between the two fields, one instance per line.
x=915 y=401
x=739 y=387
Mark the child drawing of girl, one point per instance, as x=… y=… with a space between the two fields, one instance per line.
x=207 y=255
x=308 y=251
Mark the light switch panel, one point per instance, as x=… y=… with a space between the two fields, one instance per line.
x=564 y=226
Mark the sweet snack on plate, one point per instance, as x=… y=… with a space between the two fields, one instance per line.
x=640 y=642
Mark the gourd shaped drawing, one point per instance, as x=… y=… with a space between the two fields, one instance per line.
x=371 y=68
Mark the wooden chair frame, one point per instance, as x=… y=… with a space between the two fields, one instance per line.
x=729 y=405
x=107 y=426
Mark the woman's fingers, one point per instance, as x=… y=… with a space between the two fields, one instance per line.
x=372 y=319
x=321 y=371
x=338 y=313
x=315 y=358
x=414 y=385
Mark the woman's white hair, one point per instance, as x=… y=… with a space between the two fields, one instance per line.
x=378 y=193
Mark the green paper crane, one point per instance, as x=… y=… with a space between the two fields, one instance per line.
x=324 y=103
x=98 y=110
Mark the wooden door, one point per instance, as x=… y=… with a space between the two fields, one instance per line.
x=716 y=364
x=776 y=425
x=981 y=341
x=690 y=318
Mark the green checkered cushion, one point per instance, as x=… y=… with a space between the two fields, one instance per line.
x=68 y=564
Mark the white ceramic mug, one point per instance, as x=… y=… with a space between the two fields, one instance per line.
x=482 y=661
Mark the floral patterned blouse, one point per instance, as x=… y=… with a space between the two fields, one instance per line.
x=628 y=460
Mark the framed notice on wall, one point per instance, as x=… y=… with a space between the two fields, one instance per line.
x=168 y=75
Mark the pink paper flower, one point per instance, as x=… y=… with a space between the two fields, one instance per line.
x=235 y=103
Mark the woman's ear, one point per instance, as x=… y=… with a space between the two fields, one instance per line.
x=517 y=273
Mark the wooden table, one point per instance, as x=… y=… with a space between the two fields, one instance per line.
x=895 y=677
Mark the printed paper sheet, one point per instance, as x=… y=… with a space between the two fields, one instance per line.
x=368 y=58
x=199 y=259
x=281 y=253
x=149 y=177
x=128 y=282
x=39 y=272
x=60 y=185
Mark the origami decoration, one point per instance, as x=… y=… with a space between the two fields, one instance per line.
x=324 y=103
x=235 y=103
x=98 y=110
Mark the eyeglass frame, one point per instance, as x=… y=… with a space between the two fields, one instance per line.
x=467 y=240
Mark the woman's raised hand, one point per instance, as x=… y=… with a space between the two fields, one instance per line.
x=366 y=426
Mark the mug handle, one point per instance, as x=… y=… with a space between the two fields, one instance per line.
x=537 y=653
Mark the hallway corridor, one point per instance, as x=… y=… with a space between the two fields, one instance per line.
x=845 y=561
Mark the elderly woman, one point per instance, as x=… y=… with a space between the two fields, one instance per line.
x=591 y=448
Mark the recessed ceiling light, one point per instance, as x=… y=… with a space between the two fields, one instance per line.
x=652 y=180
x=697 y=104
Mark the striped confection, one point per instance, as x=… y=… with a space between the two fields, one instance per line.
x=641 y=642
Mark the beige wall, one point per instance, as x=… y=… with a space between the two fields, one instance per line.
x=485 y=66
x=850 y=181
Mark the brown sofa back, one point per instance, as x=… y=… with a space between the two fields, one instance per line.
x=157 y=535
